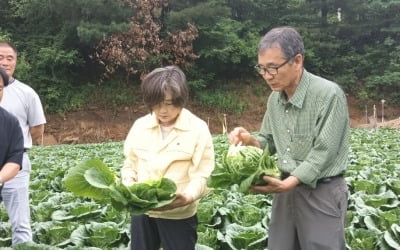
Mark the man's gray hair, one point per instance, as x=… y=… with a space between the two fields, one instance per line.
x=286 y=38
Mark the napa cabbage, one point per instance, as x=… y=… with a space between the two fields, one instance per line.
x=93 y=179
x=208 y=237
x=244 y=166
x=241 y=237
x=245 y=214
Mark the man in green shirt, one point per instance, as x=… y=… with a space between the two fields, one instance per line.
x=307 y=125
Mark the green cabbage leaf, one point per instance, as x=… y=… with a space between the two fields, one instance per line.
x=93 y=179
x=243 y=166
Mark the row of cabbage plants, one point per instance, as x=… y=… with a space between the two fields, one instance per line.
x=227 y=219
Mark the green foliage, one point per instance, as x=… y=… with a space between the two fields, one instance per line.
x=208 y=237
x=243 y=166
x=94 y=179
x=57 y=41
x=90 y=179
x=385 y=86
x=103 y=234
x=4 y=35
x=203 y=14
x=241 y=237
x=231 y=41
x=246 y=214
x=220 y=100
x=199 y=80
x=61 y=97
x=223 y=40
x=114 y=94
x=360 y=239
x=61 y=220
x=231 y=45
x=90 y=33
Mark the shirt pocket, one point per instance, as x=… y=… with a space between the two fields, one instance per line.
x=301 y=146
x=180 y=151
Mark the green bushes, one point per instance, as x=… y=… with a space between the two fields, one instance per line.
x=217 y=99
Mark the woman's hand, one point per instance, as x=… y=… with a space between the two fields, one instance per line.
x=128 y=177
x=180 y=201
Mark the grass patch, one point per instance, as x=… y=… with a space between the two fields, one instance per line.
x=220 y=100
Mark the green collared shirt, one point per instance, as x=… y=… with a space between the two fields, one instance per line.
x=310 y=131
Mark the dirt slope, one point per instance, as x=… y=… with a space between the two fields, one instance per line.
x=97 y=124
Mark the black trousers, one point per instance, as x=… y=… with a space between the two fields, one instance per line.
x=149 y=233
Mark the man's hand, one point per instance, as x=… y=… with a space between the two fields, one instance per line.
x=240 y=134
x=275 y=185
x=180 y=201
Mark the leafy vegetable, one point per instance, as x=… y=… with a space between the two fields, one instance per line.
x=360 y=239
x=245 y=166
x=207 y=211
x=141 y=197
x=93 y=179
x=392 y=237
x=245 y=214
x=240 y=237
x=208 y=237
x=374 y=158
x=103 y=234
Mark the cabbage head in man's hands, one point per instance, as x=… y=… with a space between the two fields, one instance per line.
x=245 y=166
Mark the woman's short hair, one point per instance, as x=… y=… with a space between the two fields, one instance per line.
x=161 y=80
x=4 y=76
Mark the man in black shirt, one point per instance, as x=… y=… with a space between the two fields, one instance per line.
x=11 y=140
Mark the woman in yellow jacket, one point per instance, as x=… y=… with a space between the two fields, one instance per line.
x=168 y=142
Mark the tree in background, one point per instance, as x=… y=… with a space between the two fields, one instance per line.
x=147 y=43
x=228 y=34
x=57 y=40
x=354 y=43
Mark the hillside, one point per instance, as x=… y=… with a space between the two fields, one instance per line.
x=96 y=124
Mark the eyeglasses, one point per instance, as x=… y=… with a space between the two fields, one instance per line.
x=261 y=69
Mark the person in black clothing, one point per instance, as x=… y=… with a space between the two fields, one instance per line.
x=11 y=140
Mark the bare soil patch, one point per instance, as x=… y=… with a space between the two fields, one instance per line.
x=96 y=124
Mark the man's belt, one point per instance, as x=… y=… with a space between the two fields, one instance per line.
x=328 y=179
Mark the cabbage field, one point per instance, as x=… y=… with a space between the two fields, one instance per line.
x=228 y=219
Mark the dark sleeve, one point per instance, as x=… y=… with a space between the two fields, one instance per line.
x=16 y=148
